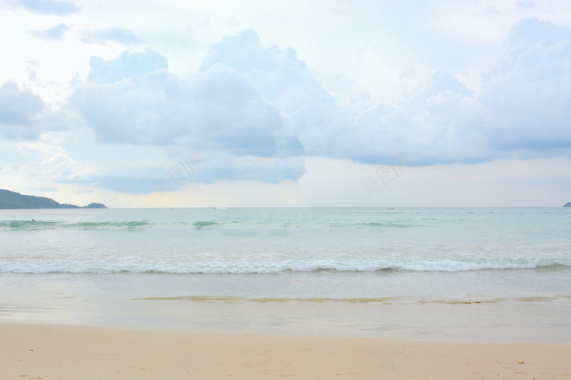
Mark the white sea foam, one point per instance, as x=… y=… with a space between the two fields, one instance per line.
x=242 y=241
x=377 y=262
x=137 y=265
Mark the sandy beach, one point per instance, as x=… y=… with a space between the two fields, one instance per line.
x=39 y=351
x=328 y=293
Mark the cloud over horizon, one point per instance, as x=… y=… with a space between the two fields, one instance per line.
x=257 y=111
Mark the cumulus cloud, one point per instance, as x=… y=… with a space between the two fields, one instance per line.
x=254 y=111
x=134 y=100
x=50 y=7
x=216 y=110
x=533 y=32
x=527 y=94
x=433 y=125
x=255 y=106
x=19 y=108
x=114 y=34
x=521 y=110
x=308 y=112
x=54 y=33
x=129 y=65
x=270 y=69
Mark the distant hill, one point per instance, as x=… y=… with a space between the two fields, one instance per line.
x=568 y=204
x=13 y=200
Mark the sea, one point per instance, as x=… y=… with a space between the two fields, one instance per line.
x=477 y=274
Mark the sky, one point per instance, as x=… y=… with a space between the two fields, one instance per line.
x=287 y=103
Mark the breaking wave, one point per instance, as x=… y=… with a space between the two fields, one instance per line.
x=136 y=264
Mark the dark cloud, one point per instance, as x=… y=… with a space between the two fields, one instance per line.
x=51 y=7
x=115 y=34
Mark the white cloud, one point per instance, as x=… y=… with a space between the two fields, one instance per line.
x=113 y=34
x=48 y=7
x=500 y=183
x=134 y=100
x=527 y=93
x=129 y=65
x=19 y=109
x=254 y=108
x=260 y=93
x=521 y=110
x=55 y=33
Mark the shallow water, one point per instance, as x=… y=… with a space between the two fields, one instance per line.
x=439 y=273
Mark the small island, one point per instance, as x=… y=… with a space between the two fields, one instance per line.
x=568 y=204
x=12 y=200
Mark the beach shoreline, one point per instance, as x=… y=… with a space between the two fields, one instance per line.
x=47 y=351
x=261 y=293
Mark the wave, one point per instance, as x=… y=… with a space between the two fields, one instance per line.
x=199 y=225
x=104 y=225
x=126 y=225
x=204 y=224
x=137 y=264
x=383 y=300
x=49 y=224
x=498 y=300
x=269 y=299
x=28 y=224
x=385 y=225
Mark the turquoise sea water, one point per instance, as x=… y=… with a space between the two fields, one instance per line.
x=443 y=273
